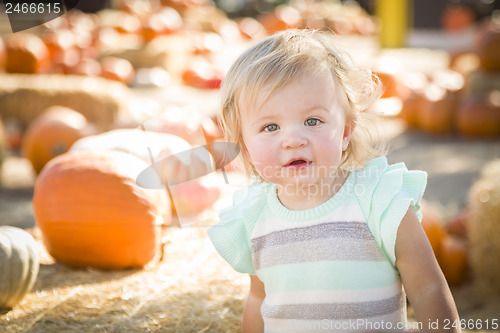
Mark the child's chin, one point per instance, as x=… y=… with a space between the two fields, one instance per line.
x=299 y=181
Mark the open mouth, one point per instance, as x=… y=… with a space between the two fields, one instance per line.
x=298 y=163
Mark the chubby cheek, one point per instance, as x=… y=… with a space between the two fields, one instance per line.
x=329 y=149
x=264 y=158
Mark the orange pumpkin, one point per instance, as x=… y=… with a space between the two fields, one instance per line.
x=62 y=47
x=117 y=69
x=129 y=24
x=283 y=17
x=410 y=109
x=437 y=110
x=453 y=259
x=414 y=83
x=165 y=21
x=433 y=227
x=138 y=8
x=456 y=18
x=202 y=74
x=488 y=46
x=182 y=5
x=480 y=115
x=64 y=60
x=196 y=195
x=91 y=212
x=52 y=134
x=458 y=224
x=3 y=55
x=58 y=41
x=392 y=87
x=26 y=53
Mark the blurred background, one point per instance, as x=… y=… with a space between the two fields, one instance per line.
x=112 y=74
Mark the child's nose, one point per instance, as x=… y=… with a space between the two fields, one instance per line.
x=293 y=138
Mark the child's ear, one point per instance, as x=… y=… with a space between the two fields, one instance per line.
x=348 y=130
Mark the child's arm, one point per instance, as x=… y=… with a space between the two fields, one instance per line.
x=252 y=319
x=424 y=283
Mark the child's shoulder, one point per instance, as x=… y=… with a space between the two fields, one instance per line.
x=385 y=192
x=378 y=182
x=247 y=203
x=252 y=194
x=231 y=235
x=378 y=171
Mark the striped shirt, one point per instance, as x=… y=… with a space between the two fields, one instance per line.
x=329 y=268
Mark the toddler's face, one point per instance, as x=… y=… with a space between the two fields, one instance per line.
x=296 y=136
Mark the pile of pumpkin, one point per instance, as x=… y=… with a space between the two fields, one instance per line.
x=463 y=99
x=126 y=43
x=467 y=247
x=449 y=243
x=347 y=18
x=180 y=37
x=103 y=199
x=67 y=45
x=75 y=43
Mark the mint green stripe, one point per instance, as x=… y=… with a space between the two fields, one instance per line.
x=323 y=275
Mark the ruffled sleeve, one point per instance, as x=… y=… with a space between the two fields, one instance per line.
x=385 y=193
x=231 y=236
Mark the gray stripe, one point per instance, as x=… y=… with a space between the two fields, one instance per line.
x=336 y=311
x=357 y=230
x=331 y=249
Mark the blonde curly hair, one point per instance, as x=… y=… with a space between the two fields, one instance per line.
x=288 y=55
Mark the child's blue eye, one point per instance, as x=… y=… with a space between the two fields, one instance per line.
x=312 y=122
x=271 y=128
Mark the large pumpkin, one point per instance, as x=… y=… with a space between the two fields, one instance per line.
x=190 y=197
x=52 y=134
x=91 y=211
x=146 y=145
x=19 y=264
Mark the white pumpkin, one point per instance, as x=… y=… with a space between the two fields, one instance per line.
x=19 y=264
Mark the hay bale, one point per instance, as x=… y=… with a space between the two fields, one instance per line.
x=192 y=290
x=25 y=96
x=484 y=231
